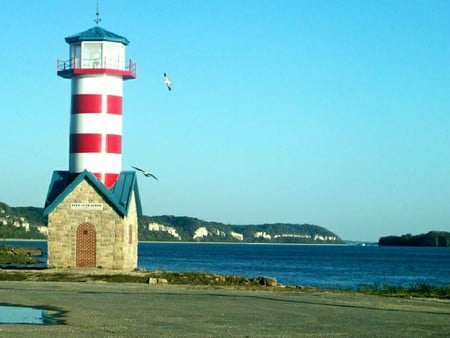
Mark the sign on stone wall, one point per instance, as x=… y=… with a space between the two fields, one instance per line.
x=86 y=206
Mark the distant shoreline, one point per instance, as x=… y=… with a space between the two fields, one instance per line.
x=194 y=242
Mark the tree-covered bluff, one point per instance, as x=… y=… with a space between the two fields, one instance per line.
x=432 y=238
x=29 y=223
x=22 y=222
x=174 y=228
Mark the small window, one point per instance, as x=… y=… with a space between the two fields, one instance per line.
x=92 y=55
x=75 y=55
x=113 y=55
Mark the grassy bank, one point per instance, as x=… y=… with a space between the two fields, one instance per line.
x=201 y=279
x=417 y=290
x=142 y=276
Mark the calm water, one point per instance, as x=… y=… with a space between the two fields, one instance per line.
x=11 y=314
x=345 y=267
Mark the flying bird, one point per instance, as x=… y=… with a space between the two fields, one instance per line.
x=145 y=172
x=167 y=82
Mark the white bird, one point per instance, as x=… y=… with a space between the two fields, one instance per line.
x=145 y=172
x=167 y=82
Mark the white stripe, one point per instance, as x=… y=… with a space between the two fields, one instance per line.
x=95 y=163
x=104 y=103
x=96 y=124
x=97 y=84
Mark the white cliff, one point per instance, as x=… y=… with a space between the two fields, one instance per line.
x=200 y=233
x=164 y=228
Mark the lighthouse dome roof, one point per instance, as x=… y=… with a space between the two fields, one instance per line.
x=96 y=34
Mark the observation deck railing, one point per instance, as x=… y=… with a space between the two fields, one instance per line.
x=79 y=66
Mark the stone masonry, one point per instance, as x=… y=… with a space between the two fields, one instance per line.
x=92 y=237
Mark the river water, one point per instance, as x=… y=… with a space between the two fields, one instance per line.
x=324 y=266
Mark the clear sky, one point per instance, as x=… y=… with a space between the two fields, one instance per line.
x=334 y=113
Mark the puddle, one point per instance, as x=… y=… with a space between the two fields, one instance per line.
x=14 y=314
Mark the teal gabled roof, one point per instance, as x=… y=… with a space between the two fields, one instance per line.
x=119 y=195
x=96 y=34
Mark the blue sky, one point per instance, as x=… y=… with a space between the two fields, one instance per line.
x=335 y=113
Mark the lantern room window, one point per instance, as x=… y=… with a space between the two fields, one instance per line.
x=91 y=55
x=113 y=54
x=75 y=55
x=98 y=55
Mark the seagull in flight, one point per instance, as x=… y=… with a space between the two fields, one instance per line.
x=167 y=82
x=145 y=172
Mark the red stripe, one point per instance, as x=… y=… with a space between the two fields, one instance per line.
x=86 y=103
x=92 y=143
x=114 y=104
x=114 y=144
x=92 y=103
x=110 y=179
x=85 y=143
x=126 y=74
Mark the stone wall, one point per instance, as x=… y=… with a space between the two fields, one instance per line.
x=130 y=242
x=116 y=236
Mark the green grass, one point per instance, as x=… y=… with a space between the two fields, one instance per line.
x=204 y=279
x=200 y=278
x=179 y=278
x=416 y=290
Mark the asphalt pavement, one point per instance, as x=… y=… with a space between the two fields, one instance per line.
x=141 y=310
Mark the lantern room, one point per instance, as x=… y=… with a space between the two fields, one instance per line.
x=96 y=51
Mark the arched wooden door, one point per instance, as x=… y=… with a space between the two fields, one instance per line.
x=86 y=246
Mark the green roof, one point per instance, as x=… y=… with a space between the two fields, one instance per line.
x=96 y=34
x=119 y=195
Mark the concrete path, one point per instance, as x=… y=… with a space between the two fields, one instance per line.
x=140 y=310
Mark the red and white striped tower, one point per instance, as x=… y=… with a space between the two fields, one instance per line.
x=97 y=70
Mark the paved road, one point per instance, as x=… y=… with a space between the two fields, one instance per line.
x=139 y=310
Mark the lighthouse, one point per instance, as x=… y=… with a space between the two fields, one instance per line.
x=97 y=70
x=93 y=207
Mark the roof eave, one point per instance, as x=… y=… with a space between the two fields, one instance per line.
x=97 y=185
x=71 y=40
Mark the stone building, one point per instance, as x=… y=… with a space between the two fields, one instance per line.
x=90 y=225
